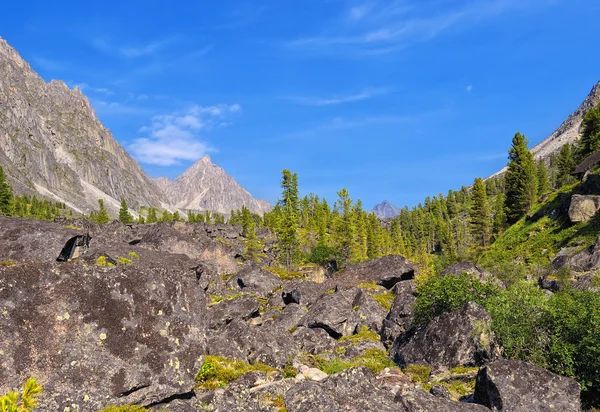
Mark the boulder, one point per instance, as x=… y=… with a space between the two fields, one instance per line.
x=385 y=271
x=254 y=279
x=394 y=381
x=309 y=396
x=583 y=207
x=400 y=317
x=290 y=316
x=589 y=281
x=517 y=386
x=585 y=260
x=460 y=338
x=222 y=313
x=334 y=313
x=421 y=401
x=472 y=269
x=313 y=341
x=294 y=296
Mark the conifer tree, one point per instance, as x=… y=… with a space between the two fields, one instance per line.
x=590 y=133
x=521 y=179
x=176 y=216
x=124 y=215
x=152 y=218
x=6 y=195
x=565 y=165
x=480 y=214
x=542 y=176
x=102 y=216
x=287 y=235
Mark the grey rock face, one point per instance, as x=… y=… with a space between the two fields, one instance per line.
x=472 y=269
x=583 y=208
x=205 y=186
x=421 y=401
x=385 y=271
x=51 y=142
x=400 y=317
x=583 y=261
x=516 y=386
x=334 y=313
x=458 y=338
x=386 y=210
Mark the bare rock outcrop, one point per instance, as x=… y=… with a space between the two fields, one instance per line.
x=583 y=207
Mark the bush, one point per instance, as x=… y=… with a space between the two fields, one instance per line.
x=22 y=402
x=123 y=261
x=441 y=294
x=321 y=254
x=134 y=255
x=418 y=373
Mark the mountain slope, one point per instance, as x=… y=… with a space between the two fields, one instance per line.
x=52 y=142
x=385 y=210
x=568 y=132
x=206 y=186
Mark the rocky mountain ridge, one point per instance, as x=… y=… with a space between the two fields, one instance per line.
x=386 y=210
x=53 y=145
x=568 y=132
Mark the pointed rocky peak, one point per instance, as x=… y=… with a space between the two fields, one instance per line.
x=163 y=183
x=385 y=210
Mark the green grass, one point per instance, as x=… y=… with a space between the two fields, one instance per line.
x=8 y=263
x=101 y=261
x=374 y=359
x=459 y=370
x=536 y=243
x=384 y=299
x=124 y=408
x=459 y=388
x=364 y=334
x=73 y=227
x=284 y=274
x=418 y=373
x=214 y=299
x=369 y=286
x=217 y=371
x=223 y=241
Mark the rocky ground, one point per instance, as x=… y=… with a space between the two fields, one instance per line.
x=170 y=317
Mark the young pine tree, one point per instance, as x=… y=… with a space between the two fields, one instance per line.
x=287 y=235
x=124 y=215
x=542 y=176
x=521 y=180
x=6 y=195
x=102 y=216
x=480 y=214
x=565 y=163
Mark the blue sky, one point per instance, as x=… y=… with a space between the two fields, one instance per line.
x=394 y=99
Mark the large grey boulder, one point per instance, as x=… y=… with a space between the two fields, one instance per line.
x=585 y=260
x=583 y=207
x=334 y=313
x=385 y=271
x=517 y=386
x=463 y=337
x=254 y=279
x=400 y=317
x=421 y=401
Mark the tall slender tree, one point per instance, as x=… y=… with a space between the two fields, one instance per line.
x=6 y=195
x=521 y=179
x=124 y=215
x=288 y=230
x=480 y=214
x=590 y=133
x=542 y=176
x=102 y=216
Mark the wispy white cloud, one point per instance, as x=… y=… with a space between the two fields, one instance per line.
x=177 y=137
x=48 y=64
x=381 y=27
x=84 y=87
x=340 y=99
x=105 y=45
x=469 y=88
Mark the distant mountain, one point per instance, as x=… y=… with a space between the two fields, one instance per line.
x=386 y=210
x=53 y=145
x=568 y=132
x=206 y=186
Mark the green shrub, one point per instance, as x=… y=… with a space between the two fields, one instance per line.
x=24 y=401
x=217 y=371
x=134 y=255
x=418 y=373
x=285 y=274
x=123 y=261
x=384 y=299
x=321 y=254
x=364 y=334
x=289 y=371
x=101 y=261
x=374 y=359
x=442 y=294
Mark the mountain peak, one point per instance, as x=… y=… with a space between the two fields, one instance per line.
x=385 y=210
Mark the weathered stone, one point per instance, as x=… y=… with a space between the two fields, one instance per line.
x=421 y=401
x=440 y=391
x=473 y=270
x=586 y=260
x=334 y=313
x=222 y=313
x=294 y=296
x=517 y=386
x=400 y=317
x=290 y=316
x=309 y=396
x=459 y=338
x=385 y=271
x=394 y=381
x=583 y=207
x=254 y=279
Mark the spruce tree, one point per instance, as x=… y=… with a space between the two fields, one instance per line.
x=6 y=195
x=521 y=179
x=565 y=165
x=480 y=214
x=102 y=216
x=287 y=235
x=124 y=215
x=152 y=218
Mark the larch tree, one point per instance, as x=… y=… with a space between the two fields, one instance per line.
x=124 y=215
x=6 y=195
x=520 y=180
x=480 y=214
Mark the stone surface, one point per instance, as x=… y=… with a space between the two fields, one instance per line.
x=385 y=271
x=334 y=313
x=421 y=401
x=516 y=386
x=583 y=207
x=400 y=317
x=453 y=339
x=472 y=269
x=585 y=260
